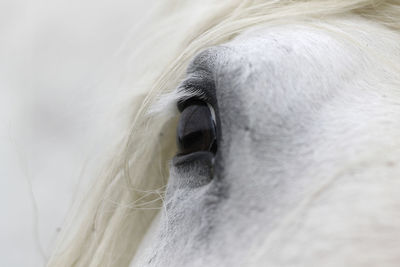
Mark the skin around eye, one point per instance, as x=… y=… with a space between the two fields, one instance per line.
x=196 y=129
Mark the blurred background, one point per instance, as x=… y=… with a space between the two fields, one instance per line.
x=60 y=90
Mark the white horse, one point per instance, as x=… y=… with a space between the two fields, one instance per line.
x=288 y=145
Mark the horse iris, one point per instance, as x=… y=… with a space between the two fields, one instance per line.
x=196 y=129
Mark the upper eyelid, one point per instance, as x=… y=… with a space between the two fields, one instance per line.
x=196 y=94
x=200 y=78
x=169 y=103
x=197 y=86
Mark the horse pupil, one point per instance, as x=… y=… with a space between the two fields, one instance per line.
x=196 y=130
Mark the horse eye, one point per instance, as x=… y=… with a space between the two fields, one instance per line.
x=196 y=129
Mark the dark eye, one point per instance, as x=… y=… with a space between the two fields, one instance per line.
x=196 y=129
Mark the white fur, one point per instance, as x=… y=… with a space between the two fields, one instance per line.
x=316 y=170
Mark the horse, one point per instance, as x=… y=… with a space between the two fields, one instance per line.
x=267 y=136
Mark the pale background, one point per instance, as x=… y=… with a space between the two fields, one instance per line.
x=57 y=110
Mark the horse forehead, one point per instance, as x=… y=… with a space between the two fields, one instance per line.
x=280 y=71
x=285 y=52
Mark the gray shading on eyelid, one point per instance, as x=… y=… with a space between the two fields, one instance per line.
x=200 y=81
